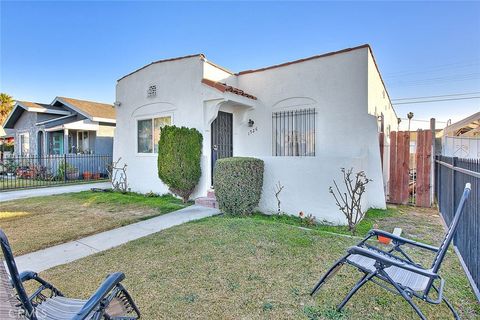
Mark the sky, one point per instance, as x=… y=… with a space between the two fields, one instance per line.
x=80 y=49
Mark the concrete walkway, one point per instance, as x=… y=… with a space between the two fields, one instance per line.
x=71 y=251
x=48 y=191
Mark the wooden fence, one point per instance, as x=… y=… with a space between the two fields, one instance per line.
x=451 y=175
x=410 y=179
x=399 y=167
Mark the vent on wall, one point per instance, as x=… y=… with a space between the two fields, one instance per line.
x=152 y=91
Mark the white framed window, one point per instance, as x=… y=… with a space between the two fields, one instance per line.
x=293 y=133
x=24 y=143
x=83 y=141
x=148 y=133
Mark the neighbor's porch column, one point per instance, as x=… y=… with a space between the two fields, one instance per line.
x=65 y=141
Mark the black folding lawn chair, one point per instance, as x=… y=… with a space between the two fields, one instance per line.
x=110 y=301
x=396 y=268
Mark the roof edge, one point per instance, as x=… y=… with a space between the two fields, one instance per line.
x=363 y=46
x=201 y=55
x=79 y=110
x=381 y=79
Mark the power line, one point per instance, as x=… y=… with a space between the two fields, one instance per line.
x=421 y=120
x=440 y=78
x=438 y=100
x=440 y=96
x=432 y=69
x=430 y=83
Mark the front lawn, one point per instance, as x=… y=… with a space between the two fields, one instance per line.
x=36 y=223
x=249 y=268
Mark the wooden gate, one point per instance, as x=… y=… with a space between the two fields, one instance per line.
x=423 y=172
x=410 y=174
x=399 y=167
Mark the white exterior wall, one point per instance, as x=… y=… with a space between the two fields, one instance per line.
x=337 y=86
x=379 y=103
x=346 y=135
x=179 y=94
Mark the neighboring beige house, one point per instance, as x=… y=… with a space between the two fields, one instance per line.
x=306 y=119
x=65 y=126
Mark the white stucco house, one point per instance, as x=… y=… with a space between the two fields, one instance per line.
x=306 y=119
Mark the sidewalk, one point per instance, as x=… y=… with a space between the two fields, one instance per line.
x=71 y=251
x=48 y=191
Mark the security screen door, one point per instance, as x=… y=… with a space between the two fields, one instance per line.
x=222 y=137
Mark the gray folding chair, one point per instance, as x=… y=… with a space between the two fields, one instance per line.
x=110 y=301
x=384 y=268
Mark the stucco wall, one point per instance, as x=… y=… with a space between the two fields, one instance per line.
x=336 y=86
x=179 y=94
x=379 y=104
x=306 y=184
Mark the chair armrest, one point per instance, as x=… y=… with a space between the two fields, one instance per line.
x=95 y=299
x=400 y=240
x=30 y=275
x=387 y=261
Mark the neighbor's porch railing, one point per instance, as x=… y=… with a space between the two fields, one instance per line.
x=20 y=172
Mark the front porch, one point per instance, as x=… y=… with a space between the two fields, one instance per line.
x=225 y=119
x=66 y=141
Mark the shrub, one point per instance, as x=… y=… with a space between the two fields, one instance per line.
x=179 y=153
x=238 y=184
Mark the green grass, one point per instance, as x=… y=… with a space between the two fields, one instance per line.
x=250 y=268
x=36 y=223
x=162 y=203
x=371 y=217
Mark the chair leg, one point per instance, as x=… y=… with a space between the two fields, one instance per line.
x=366 y=277
x=449 y=305
x=330 y=273
x=452 y=309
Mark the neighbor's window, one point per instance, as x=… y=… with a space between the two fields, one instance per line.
x=148 y=133
x=24 y=144
x=293 y=133
x=83 y=143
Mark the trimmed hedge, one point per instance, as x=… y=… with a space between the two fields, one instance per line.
x=179 y=154
x=238 y=184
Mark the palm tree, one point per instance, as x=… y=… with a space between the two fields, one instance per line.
x=6 y=105
x=409 y=116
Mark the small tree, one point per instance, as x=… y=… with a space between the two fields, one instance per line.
x=349 y=201
x=278 y=189
x=179 y=155
x=118 y=176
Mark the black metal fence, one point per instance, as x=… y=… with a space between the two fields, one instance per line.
x=20 y=172
x=451 y=175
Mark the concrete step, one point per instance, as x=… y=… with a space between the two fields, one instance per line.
x=206 y=202
x=211 y=194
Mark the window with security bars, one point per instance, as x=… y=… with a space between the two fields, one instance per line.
x=293 y=133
